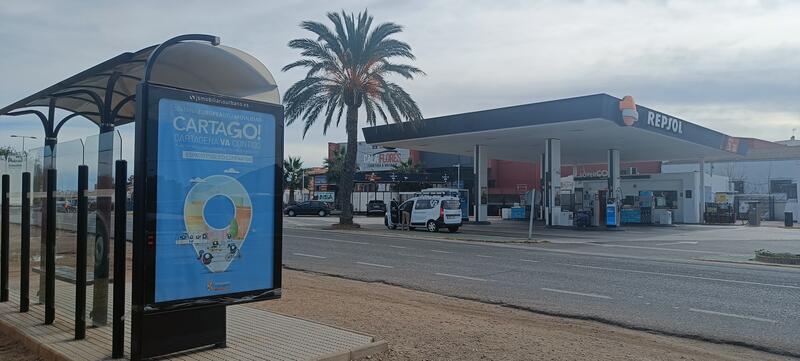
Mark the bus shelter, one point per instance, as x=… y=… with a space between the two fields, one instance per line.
x=196 y=76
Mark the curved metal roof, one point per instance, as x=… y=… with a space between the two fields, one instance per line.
x=106 y=92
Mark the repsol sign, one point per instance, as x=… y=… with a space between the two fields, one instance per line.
x=658 y=120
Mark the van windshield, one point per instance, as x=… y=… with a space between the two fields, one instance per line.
x=451 y=204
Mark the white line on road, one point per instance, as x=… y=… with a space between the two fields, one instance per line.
x=529 y=260
x=653 y=248
x=462 y=277
x=671 y=243
x=438 y=251
x=374 y=265
x=327 y=239
x=733 y=315
x=578 y=293
x=399 y=247
x=687 y=276
x=308 y=255
x=484 y=256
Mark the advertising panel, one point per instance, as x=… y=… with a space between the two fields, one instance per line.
x=329 y=197
x=375 y=158
x=215 y=198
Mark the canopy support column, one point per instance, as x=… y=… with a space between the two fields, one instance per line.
x=614 y=186
x=481 y=184
x=552 y=182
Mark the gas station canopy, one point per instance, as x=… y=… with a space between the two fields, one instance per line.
x=587 y=126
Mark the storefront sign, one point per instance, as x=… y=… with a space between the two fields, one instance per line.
x=658 y=120
x=329 y=197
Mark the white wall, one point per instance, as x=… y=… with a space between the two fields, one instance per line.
x=755 y=174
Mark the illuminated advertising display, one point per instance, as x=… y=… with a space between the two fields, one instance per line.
x=216 y=195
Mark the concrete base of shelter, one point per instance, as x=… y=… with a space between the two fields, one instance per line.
x=253 y=334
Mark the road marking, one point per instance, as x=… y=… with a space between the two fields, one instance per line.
x=529 y=260
x=733 y=315
x=671 y=243
x=462 y=277
x=484 y=256
x=374 y=265
x=653 y=248
x=687 y=276
x=328 y=239
x=308 y=255
x=438 y=251
x=400 y=247
x=578 y=293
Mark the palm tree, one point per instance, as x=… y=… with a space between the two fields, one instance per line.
x=408 y=167
x=335 y=166
x=347 y=69
x=293 y=175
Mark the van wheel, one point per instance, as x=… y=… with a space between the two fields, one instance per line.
x=291 y=213
x=452 y=229
x=431 y=226
x=322 y=214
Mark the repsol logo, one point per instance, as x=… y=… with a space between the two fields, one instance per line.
x=662 y=121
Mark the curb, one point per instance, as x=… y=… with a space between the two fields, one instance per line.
x=41 y=350
x=356 y=353
x=421 y=236
x=753 y=263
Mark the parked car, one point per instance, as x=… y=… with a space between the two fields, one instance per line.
x=431 y=212
x=308 y=208
x=376 y=207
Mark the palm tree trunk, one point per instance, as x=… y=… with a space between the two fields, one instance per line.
x=291 y=195
x=346 y=184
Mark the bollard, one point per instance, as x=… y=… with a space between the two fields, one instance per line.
x=50 y=250
x=25 y=245
x=120 y=223
x=4 y=240
x=80 y=262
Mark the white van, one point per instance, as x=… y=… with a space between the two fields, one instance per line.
x=431 y=212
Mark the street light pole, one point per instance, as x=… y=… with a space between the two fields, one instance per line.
x=23 y=146
x=458 y=176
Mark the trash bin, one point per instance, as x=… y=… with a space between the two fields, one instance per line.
x=666 y=218
x=788 y=219
x=754 y=219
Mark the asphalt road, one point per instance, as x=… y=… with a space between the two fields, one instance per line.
x=754 y=305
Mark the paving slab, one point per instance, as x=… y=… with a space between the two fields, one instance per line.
x=253 y=334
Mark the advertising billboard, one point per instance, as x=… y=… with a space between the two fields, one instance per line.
x=375 y=158
x=217 y=215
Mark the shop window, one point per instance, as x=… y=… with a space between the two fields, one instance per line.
x=666 y=199
x=784 y=186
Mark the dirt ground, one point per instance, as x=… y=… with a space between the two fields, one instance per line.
x=425 y=326
x=11 y=350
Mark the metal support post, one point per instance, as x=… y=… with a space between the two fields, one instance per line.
x=50 y=250
x=25 y=245
x=80 y=262
x=4 y=240
x=120 y=223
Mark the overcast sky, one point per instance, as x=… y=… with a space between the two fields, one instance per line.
x=733 y=66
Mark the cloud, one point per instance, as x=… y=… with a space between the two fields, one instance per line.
x=231 y=171
x=701 y=61
x=197 y=180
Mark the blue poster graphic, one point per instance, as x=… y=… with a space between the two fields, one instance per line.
x=215 y=202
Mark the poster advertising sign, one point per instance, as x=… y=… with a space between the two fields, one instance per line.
x=329 y=197
x=217 y=223
x=375 y=158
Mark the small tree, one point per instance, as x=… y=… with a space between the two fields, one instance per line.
x=408 y=167
x=292 y=175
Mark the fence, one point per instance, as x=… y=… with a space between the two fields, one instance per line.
x=64 y=214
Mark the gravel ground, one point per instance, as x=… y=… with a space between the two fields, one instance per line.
x=425 y=326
